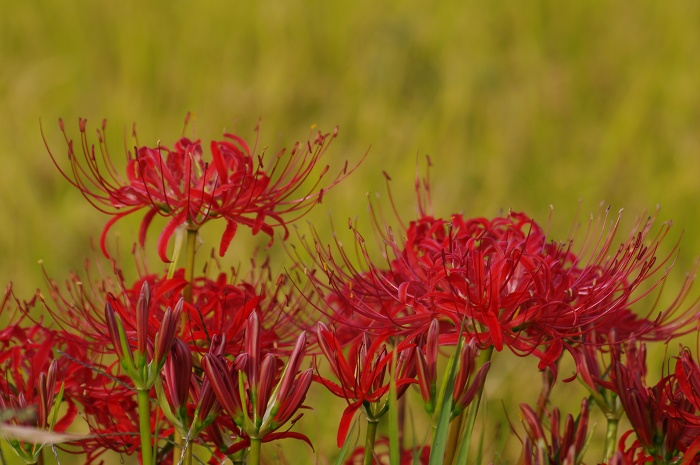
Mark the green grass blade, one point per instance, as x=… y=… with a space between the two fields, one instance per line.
x=346 y=445
x=394 y=446
x=444 y=407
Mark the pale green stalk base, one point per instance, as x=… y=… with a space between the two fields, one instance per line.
x=254 y=454
x=145 y=427
x=369 y=442
x=610 y=439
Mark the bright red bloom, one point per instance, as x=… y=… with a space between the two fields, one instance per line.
x=506 y=285
x=363 y=375
x=180 y=184
x=43 y=374
x=666 y=416
x=219 y=307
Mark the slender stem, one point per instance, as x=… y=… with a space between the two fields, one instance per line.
x=453 y=437
x=369 y=441
x=402 y=419
x=254 y=455
x=188 y=455
x=610 y=438
x=190 y=250
x=547 y=384
x=145 y=427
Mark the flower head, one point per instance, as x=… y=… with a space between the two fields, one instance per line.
x=362 y=376
x=233 y=183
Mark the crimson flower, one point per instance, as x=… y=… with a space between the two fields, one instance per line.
x=362 y=376
x=506 y=285
x=664 y=417
x=219 y=306
x=234 y=184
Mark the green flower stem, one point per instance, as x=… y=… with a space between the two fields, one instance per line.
x=369 y=441
x=453 y=436
x=145 y=427
x=610 y=437
x=190 y=250
x=254 y=454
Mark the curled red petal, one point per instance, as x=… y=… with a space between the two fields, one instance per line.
x=167 y=233
x=229 y=233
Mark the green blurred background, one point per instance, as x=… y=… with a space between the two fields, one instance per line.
x=520 y=105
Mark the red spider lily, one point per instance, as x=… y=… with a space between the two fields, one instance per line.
x=43 y=374
x=220 y=306
x=179 y=184
x=255 y=391
x=416 y=456
x=362 y=376
x=664 y=416
x=565 y=447
x=511 y=286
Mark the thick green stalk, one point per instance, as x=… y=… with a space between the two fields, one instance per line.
x=610 y=438
x=369 y=441
x=254 y=454
x=145 y=427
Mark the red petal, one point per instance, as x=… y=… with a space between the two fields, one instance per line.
x=167 y=233
x=346 y=421
x=229 y=232
x=145 y=223
x=108 y=226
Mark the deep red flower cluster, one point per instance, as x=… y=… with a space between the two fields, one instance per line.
x=504 y=284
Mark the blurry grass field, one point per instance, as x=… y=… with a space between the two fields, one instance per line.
x=519 y=105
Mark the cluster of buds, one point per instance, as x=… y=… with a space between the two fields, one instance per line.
x=136 y=363
x=255 y=392
x=565 y=448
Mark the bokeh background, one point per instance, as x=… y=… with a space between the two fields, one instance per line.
x=520 y=105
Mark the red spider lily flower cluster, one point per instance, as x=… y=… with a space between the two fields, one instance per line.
x=506 y=285
x=175 y=361
x=665 y=417
x=362 y=376
x=41 y=376
x=180 y=184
